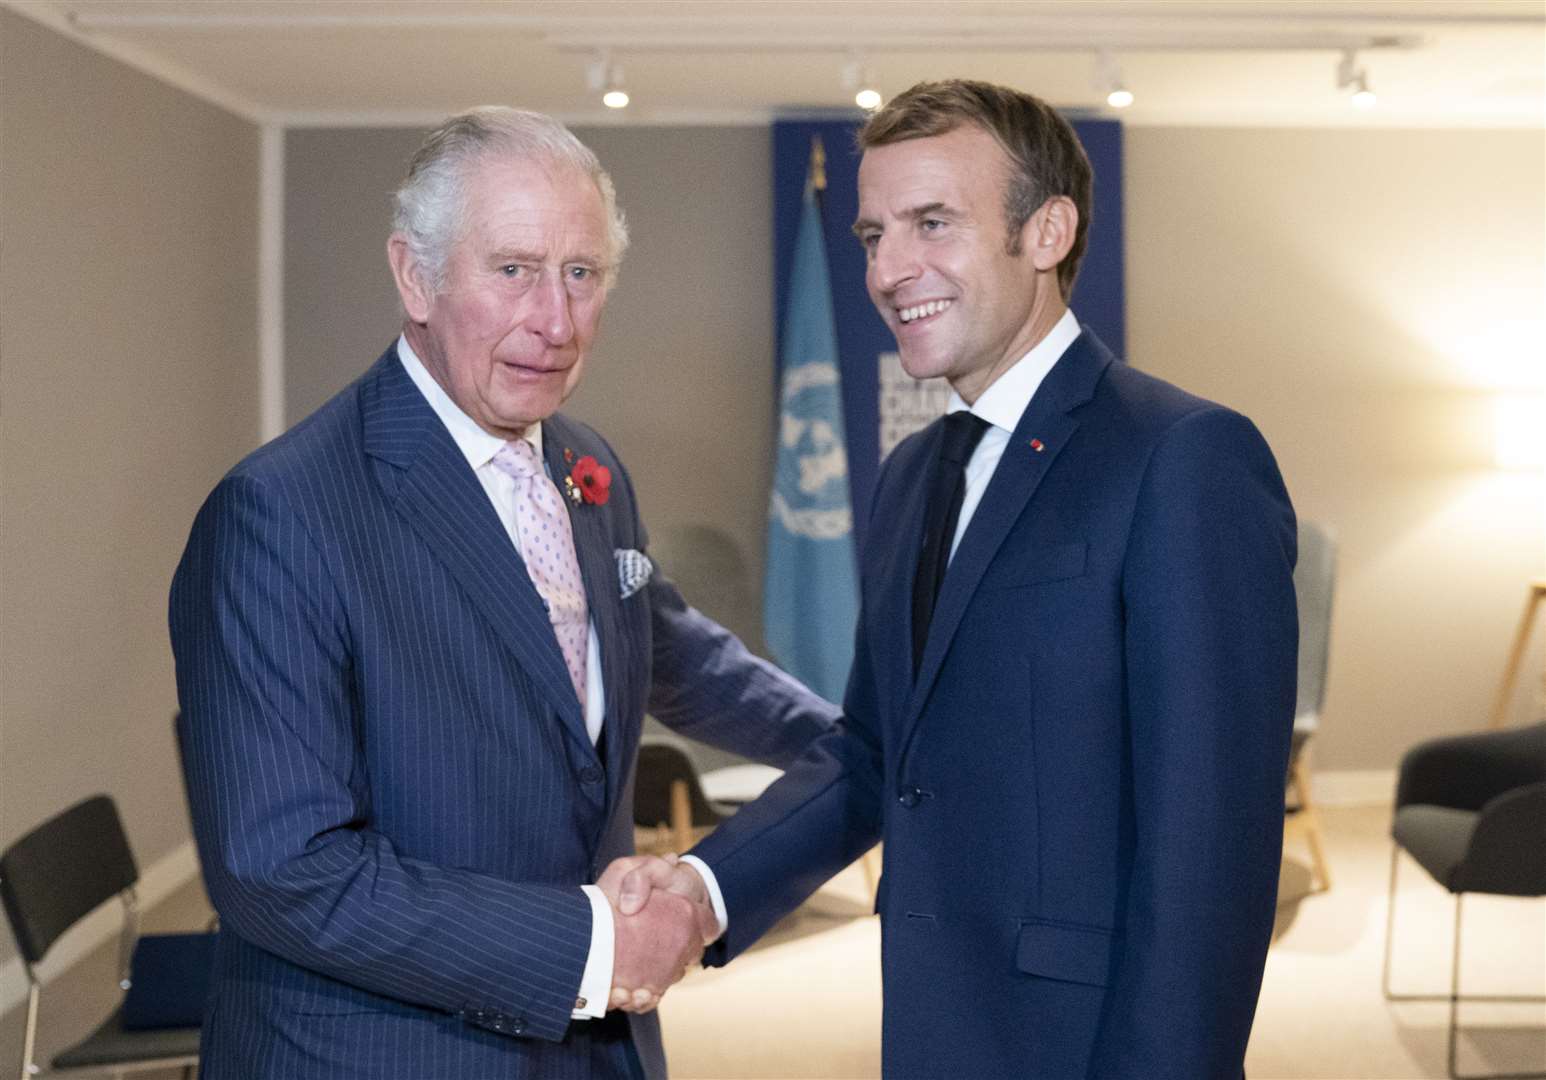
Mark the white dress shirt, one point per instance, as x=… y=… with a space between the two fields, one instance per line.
x=479 y=447
x=1001 y=405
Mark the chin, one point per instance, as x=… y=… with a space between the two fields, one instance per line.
x=924 y=367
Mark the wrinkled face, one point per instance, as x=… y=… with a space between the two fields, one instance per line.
x=507 y=334
x=931 y=218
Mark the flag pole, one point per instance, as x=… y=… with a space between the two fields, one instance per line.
x=816 y=173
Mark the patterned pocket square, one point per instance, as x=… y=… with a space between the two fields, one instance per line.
x=633 y=571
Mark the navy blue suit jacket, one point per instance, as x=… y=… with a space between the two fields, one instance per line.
x=393 y=792
x=1081 y=788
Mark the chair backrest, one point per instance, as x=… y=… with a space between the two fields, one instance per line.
x=660 y=765
x=63 y=870
x=1315 y=577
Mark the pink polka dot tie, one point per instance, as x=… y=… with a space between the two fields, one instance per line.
x=547 y=547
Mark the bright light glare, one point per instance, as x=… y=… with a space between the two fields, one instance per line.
x=1364 y=99
x=1519 y=431
x=615 y=99
x=868 y=99
x=1120 y=98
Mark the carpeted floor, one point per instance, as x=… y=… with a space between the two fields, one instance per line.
x=806 y=1001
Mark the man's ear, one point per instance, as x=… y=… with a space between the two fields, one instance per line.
x=409 y=276
x=1049 y=234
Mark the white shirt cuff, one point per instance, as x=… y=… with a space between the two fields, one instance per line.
x=596 y=982
x=715 y=896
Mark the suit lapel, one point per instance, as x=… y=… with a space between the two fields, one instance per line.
x=1048 y=421
x=432 y=486
x=896 y=617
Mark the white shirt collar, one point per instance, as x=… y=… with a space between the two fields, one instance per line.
x=477 y=445
x=1002 y=403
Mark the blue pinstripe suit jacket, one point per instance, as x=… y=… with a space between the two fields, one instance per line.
x=393 y=792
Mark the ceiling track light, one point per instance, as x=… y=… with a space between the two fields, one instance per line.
x=1354 y=80
x=1108 y=79
x=860 y=81
x=606 y=78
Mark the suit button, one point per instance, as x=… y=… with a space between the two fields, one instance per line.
x=518 y=1025
x=909 y=797
x=590 y=775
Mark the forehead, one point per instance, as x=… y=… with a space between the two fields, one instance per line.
x=959 y=168
x=552 y=208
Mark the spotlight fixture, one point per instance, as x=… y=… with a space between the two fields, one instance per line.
x=1108 y=77
x=1354 y=80
x=606 y=78
x=615 y=97
x=858 y=78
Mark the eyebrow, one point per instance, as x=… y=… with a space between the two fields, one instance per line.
x=509 y=255
x=926 y=210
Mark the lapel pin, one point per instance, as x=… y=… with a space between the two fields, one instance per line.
x=1037 y=445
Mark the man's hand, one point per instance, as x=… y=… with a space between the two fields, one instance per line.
x=654 y=948
x=629 y=881
x=664 y=918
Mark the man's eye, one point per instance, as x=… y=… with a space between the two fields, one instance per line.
x=869 y=239
x=511 y=270
x=931 y=224
x=581 y=273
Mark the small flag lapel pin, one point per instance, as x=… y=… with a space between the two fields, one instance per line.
x=1037 y=445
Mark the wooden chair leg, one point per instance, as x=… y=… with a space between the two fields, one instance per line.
x=1312 y=825
x=681 y=816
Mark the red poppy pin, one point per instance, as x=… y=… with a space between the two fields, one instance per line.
x=589 y=480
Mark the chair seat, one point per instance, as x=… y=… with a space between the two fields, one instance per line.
x=737 y=785
x=111 y=1045
x=1436 y=836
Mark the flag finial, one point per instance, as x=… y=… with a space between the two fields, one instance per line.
x=816 y=176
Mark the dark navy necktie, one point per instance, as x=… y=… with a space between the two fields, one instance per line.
x=948 y=487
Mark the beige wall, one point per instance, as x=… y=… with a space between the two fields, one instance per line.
x=128 y=384
x=1360 y=294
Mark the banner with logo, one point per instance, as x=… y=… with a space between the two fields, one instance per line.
x=811 y=593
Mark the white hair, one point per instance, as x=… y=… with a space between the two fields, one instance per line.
x=431 y=202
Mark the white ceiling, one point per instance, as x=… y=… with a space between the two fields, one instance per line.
x=1248 y=62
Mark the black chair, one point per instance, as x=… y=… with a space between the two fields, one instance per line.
x=52 y=878
x=1471 y=810
x=669 y=798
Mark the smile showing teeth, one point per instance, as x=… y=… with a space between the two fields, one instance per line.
x=918 y=311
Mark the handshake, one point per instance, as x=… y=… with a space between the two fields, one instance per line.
x=662 y=919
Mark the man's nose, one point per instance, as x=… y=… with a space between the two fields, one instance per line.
x=893 y=264
x=550 y=315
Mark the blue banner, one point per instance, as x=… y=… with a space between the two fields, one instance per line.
x=811 y=595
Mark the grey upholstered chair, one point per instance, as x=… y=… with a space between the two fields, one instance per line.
x=1471 y=810
x=1315 y=577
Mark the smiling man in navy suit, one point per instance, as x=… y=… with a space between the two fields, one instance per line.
x=415 y=640
x=1073 y=688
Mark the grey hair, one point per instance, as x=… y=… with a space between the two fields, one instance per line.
x=431 y=203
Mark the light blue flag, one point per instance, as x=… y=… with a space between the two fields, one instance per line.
x=811 y=595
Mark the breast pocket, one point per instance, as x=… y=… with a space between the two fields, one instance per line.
x=1042 y=564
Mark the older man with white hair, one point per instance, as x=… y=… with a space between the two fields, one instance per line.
x=415 y=638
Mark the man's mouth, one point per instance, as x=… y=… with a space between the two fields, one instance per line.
x=922 y=311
